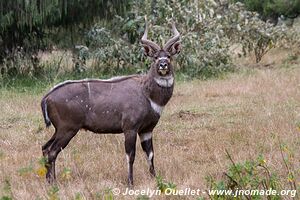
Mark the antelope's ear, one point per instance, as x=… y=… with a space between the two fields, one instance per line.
x=148 y=51
x=175 y=48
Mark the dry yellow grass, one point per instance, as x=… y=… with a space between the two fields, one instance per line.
x=247 y=114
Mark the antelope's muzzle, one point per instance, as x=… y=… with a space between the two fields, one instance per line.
x=163 y=68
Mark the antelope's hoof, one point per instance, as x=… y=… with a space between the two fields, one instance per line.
x=152 y=173
x=130 y=184
x=50 y=179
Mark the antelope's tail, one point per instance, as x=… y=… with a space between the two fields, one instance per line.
x=45 y=112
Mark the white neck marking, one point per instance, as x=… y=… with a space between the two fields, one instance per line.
x=157 y=108
x=167 y=81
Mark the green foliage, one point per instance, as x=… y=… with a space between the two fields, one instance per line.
x=208 y=29
x=163 y=185
x=78 y=196
x=24 y=171
x=143 y=197
x=5 y=198
x=204 y=53
x=108 y=195
x=273 y=8
x=53 y=193
x=66 y=174
x=112 y=46
x=254 y=35
x=288 y=158
x=7 y=190
x=30 y=24
x=111 y=55
x=251 y=175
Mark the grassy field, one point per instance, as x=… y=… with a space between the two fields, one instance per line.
x=247 y=113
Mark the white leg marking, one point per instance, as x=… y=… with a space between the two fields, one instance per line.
x=128 y=159
x=149 y=158
x=157 y=108
x=145 y=136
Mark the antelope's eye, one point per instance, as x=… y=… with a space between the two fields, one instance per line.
x=169 y=56
x=155 y=57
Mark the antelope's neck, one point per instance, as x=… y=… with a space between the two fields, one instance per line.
x=159 y=89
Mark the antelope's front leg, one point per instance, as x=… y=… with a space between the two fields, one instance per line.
x=130 y=143
x=146 y=142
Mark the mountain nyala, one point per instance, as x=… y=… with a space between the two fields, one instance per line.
x=128 y=104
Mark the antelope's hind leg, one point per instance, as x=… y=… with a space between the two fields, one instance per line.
x=130 y=147
x=51 y=149
x=45 y=147
x=146 y=142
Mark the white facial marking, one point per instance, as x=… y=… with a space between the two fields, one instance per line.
x=163 y=58
x=145 y=136
x=157 y=108
x=164 y=81
x=67 y=100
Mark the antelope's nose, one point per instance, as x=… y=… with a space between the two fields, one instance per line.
x=163 y=65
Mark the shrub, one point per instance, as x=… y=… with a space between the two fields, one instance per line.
x=208 y=30
x=273 y=8
x=205 y=53
x=254 y=175
x=163 y=185
x=7 y=190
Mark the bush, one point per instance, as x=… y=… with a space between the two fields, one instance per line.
x=254 y=175
x=272 y=9
x=205 y=54
x=30 y=24
x=208 y=30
